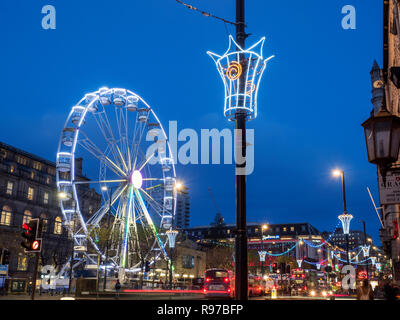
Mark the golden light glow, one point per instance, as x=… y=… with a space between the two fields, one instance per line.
x=178 y=185
x=337 y=173
x=234 y=71
x=62 y=195
x=265 y=227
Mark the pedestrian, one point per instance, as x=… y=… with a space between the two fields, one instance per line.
x=117 y=288
x=365 y=292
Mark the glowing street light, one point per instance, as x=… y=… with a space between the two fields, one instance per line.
x=171 y=234
x=345 y=217
x=262 y=253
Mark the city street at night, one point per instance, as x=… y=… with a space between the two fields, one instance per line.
x=200 y=158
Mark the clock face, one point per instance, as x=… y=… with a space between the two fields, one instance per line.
x=378 y=84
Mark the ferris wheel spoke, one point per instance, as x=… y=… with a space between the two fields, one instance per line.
x=122 y=123
x=91 y=147
x=96 y=218
x=105 y=128
x=156 y=206
x=136 y=144
x=147 y=160
x=101 y=181
x=149 y=220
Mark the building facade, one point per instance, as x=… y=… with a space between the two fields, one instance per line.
x=385 y=93
x=28 y=190
x=276 y=239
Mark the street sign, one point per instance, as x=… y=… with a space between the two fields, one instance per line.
x=390 y=193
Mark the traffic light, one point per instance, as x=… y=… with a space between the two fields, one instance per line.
x=5 y=257
x=282 y=267
x=288 y=268
x=274 y=267
x=33 y=234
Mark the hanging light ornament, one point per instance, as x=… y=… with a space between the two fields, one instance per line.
x=235 y=66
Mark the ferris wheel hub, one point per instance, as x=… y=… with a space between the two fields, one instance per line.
x=136 y=179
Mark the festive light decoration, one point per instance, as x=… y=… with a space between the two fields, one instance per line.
x=345 y=218
x=236 y=65
x=365 y=250
x=171 y=234
x=373 y=260
x=299 y=262
x=262 y=255
x=318 y=266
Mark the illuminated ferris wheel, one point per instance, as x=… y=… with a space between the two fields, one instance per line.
x=130 y=166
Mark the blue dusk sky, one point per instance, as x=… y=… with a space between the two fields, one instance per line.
x=313 y=96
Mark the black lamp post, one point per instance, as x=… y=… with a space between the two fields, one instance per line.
x=382 y=137
x=263 y=227
x=365 y=245
x=345 y=217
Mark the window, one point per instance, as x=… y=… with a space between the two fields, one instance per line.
x=9 y=189
x=90 y=209
x=5 y=219
x=37 y=165
x=31 y=193
x=22 y=262
x=291 y=228
x=188 y=262
x=58 y=226
x=284 y=229
x=32 y=175
x=46 y=198
x=12 y=169
x=43 y=217
x=27 y=217
x=21 y=160
x=3 y=153
x=51 y=170
x=48 y=180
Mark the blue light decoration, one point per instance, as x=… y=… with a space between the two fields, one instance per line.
x=283 y=253
x=234 y=63
x=262 y=255
x=323 y=242
x=365 y=249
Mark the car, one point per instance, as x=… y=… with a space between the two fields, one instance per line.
x=323 y=292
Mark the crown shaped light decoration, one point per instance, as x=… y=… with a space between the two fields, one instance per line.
x=345 y=218
x=241 y=71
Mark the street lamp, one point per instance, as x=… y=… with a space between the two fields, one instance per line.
x=104 y=188
x=365 y=248
x=171 y=234
x=65 y=196
x=382 y=137
x=345 y=217
x=262 y=253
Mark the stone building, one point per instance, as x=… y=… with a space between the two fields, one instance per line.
x=28 y=190
x=385 y=92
